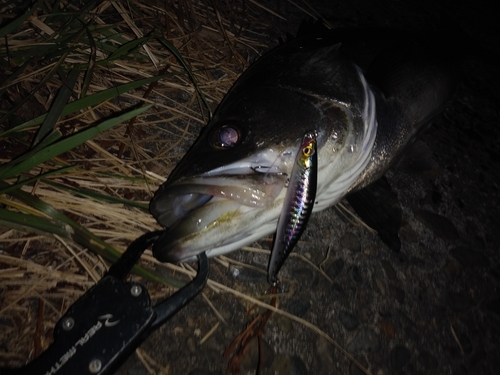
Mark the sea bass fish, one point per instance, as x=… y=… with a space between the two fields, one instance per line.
x=366 y=94
x=298 y=205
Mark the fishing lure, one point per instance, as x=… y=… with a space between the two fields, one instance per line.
x=297 y=207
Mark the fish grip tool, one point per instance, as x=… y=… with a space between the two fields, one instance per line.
x=105 y=325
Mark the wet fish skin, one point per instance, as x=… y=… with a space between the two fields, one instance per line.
x=298 y=205
x=414 y=78
x=365 y=93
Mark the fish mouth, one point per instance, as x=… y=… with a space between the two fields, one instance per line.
x=180 y=199
x=206 y=212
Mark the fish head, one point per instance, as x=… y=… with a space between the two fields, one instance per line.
x=228 y=190
x=233 y=173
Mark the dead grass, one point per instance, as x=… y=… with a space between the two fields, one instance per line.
x=42 y=274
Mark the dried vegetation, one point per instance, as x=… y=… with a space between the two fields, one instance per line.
x=100 y=99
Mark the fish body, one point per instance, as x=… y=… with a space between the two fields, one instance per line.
x=365 y=94
x=297 y=207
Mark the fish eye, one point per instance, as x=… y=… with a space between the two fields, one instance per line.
x=226 y=136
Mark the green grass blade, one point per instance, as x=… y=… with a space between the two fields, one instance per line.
x=51 y=138
x=91 y=65
x=79 y=234
x=126 y=48
x=88 y=101
x=75 y=20
x=178 y=55
x=11 y=26
x=34 y=179
x=58 y=104
x=67 y=144
x=40 y=225
x=39 y=55
x=47 y=77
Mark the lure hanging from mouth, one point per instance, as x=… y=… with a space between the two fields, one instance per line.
x=297 y=207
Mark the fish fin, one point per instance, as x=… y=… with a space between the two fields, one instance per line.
x=416 y=159
x=378 y=206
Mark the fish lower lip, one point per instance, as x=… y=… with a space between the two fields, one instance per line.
x=175 y=245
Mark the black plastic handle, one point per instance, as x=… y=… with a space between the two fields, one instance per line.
x=105 y=325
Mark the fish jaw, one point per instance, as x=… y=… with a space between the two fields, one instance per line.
x=223 y=209
x=236 y=227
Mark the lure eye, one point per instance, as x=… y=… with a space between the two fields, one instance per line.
x=307 y=151
x=226 y=137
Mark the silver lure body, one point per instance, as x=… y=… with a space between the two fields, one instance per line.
x=365 y=93
x=298 y=205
